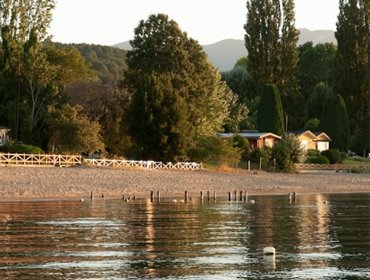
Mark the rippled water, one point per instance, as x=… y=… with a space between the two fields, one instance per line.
x=318 y=237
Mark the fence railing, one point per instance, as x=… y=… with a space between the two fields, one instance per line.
x=72 y=160
x=144 y=164
x=333 y=167
x=39 y=159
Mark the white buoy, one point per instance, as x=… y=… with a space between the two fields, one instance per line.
x=269 y=251
x=252 y=201
x=174 y=200
x=82 y=200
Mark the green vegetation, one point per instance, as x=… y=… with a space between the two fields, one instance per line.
x=177 y=96
x=270 y=112
x=164 y=101
x=20 y=149
x=217 y=151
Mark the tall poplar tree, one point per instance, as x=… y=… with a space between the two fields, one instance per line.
x=271 y=40
x=270 y=112
x=353 y=61
x=177 y=95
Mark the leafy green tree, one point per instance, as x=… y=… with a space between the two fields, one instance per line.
x=334 y=122
x=238 y=80
x=353 y=60
x=271 y=39
x=316 y=65
x=312 y=124
x=316 y=102
x=270 y=112
x=72 y=132
x=262 y=42
x=21 y=22
x=215 y=150
x=177 y=95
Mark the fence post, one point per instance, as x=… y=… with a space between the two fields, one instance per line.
x=260 y=164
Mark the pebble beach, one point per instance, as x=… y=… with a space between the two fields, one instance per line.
x=23 y=183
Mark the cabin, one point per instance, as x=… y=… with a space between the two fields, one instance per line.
x=319 y=141
x=257 y=140
x=4 y=135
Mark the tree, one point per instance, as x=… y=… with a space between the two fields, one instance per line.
x=334 y=121
x=21 y=22
x=353 y=59
x=262 y=42
x=72 y=132
x=271 y=39
x=270 y=112
x=316 y=102
x=177 y=96
x=316 y=65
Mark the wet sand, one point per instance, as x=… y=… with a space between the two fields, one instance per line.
x=19 y=183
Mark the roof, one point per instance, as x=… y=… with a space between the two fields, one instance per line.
x=316 y=136
x=250 y=135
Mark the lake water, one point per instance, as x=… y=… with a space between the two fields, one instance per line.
x=317 y=237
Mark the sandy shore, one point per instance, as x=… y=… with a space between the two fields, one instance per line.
x=20 y=183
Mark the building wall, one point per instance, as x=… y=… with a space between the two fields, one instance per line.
x=307 y=142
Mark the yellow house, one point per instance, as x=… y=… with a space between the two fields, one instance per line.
x=314 y=141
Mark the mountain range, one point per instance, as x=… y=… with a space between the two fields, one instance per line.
x=225 y=53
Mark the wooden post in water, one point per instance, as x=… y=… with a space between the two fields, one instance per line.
x=152 y=196
x=235 y=195
x=241 y=196
x=245 y=196
x=201 y=195
x=91 y=195
x=158 y=196
x=208 y=196
x=229 y=196
x=214 y=195
x=186 y=196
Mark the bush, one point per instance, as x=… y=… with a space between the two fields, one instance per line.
x=313 y=153
x=333 y=155
x=22 y=149
x=216 y=150
x=318 y=160
x=264 y=154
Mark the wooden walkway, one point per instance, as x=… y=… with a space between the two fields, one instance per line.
x=40 y=160
x=332 y=167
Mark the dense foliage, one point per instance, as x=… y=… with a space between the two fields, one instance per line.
x=271 y=39
x=270 y=112
x=177 y=96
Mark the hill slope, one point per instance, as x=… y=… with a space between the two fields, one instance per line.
x=225 y=53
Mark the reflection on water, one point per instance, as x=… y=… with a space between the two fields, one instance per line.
x=318 y=237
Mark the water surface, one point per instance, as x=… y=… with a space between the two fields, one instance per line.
x=317 y=237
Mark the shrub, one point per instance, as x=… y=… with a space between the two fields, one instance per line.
x=313 y=153
x=264 y=154
x=216 y=150
x=318 y=160
x=22 y=149
x=333 y=155
x=242 y=144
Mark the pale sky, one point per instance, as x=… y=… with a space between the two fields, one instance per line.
x=108 y=22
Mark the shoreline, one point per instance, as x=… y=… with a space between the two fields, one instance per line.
x=25 y=183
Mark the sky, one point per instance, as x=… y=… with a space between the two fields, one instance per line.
x=108 y=22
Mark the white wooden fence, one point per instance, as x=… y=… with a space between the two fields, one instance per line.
x=144 y=164
x=72 y=160
x=40 y=160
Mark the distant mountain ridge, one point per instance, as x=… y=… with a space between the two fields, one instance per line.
x=225 y=53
